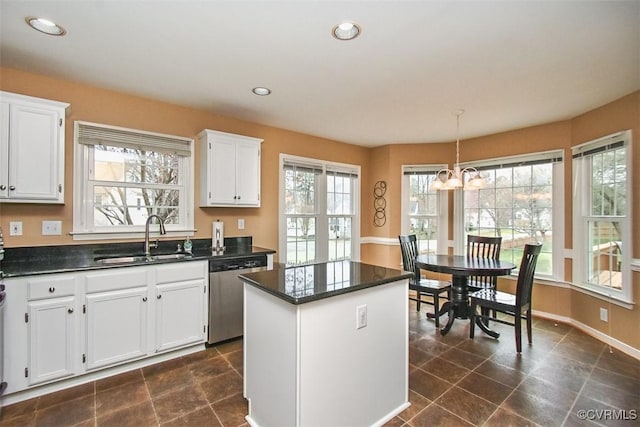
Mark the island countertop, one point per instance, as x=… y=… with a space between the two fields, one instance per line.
x=306 y=283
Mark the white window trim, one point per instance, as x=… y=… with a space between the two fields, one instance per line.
x=443 y=205
x=558 y=208
x=81 y=171
x=322 y=228
x=580 y=202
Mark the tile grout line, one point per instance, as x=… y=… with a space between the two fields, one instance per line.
x=526 y=376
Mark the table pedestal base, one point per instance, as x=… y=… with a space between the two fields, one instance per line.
x=458 y=307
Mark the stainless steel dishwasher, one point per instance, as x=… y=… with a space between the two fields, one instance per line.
x=226 y=295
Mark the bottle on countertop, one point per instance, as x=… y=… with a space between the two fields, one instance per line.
x=188 y=245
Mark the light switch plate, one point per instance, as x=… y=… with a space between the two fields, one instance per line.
x=240 y=224
x=51 y=228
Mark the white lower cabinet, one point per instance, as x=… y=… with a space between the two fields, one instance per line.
x=52 y=332
x=60 y=326
x=179 y=286
x=116 y=327
x=175 y=326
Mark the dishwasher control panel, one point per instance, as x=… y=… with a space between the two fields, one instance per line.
x=241 y=263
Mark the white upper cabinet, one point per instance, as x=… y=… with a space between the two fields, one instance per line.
x=230 y=169
x=31 y=149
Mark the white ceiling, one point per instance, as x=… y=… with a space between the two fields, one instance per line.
x=508 y=64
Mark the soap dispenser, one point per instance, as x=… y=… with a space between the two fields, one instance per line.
x=187 y=245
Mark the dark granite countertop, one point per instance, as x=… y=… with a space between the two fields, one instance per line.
x=27 y=261
x=301 y=284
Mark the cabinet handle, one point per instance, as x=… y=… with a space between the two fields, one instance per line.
x=52 y=289
x=159 y=296
x=238 y=197
x=144 y=299
x=3 y=187
x=70 y=310
x=12 y=187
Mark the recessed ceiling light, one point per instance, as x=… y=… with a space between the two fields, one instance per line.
x=262 y=91
x=45 y=26
x=346 y=31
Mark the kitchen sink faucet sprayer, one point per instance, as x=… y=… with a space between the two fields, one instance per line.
x=147 y=246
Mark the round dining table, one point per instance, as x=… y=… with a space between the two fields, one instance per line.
x=461 y=267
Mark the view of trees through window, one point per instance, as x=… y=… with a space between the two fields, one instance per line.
x=131 y=184
x=300 y=212
x=319 y=213
x=608 y=205
x=517 y=205
x=423 y=211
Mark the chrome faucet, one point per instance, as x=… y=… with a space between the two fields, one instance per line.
x=147 y=246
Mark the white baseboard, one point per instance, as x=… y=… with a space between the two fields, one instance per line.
x=619 y=345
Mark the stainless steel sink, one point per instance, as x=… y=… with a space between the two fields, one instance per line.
x=140 y=258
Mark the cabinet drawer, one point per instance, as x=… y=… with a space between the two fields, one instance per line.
x=181 y=271
x=51 y=287
x=119 y=278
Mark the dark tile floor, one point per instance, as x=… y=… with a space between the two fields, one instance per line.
x=453 y=381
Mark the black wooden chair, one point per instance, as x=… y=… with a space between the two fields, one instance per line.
x=518 y=305
x=426 y=287
x=483 y=247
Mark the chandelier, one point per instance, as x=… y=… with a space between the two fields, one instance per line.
x=447 y=179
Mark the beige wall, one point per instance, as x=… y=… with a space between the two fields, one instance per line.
x=380 y=163
x=619 y=115
x=118 y=109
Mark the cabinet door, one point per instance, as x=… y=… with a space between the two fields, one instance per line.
x=4 y=150
x=222 y=173
x=248 y=174
x=35 y=161
x=179 y=314
x=116 y=326
x=51 y=329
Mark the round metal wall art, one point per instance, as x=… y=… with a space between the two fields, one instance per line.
x=379 y=203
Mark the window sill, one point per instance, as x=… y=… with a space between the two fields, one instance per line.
x=128 y=234
x=618 y=300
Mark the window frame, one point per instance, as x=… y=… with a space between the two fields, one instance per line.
x=442 y=201
x=582 y=215
x=556 y=157
x=84 y=199
x=321 y=215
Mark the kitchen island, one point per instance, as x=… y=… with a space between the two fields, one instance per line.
x=325 y=345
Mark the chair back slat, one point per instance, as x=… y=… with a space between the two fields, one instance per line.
x=527 y=271
x=483 y=247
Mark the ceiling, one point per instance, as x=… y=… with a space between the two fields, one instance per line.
x=508 y=64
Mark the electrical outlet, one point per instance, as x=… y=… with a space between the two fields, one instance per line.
x=15 y=228
x=604 y=314
x=361 y=316
x=240 y=224
x=51 y=228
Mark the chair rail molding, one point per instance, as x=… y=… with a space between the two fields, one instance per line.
x=389 y=241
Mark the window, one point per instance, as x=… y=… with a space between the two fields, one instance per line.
x=319 y=210
x=424 y=211
x=521 y=202
x=602 y=212
x=124 y=175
